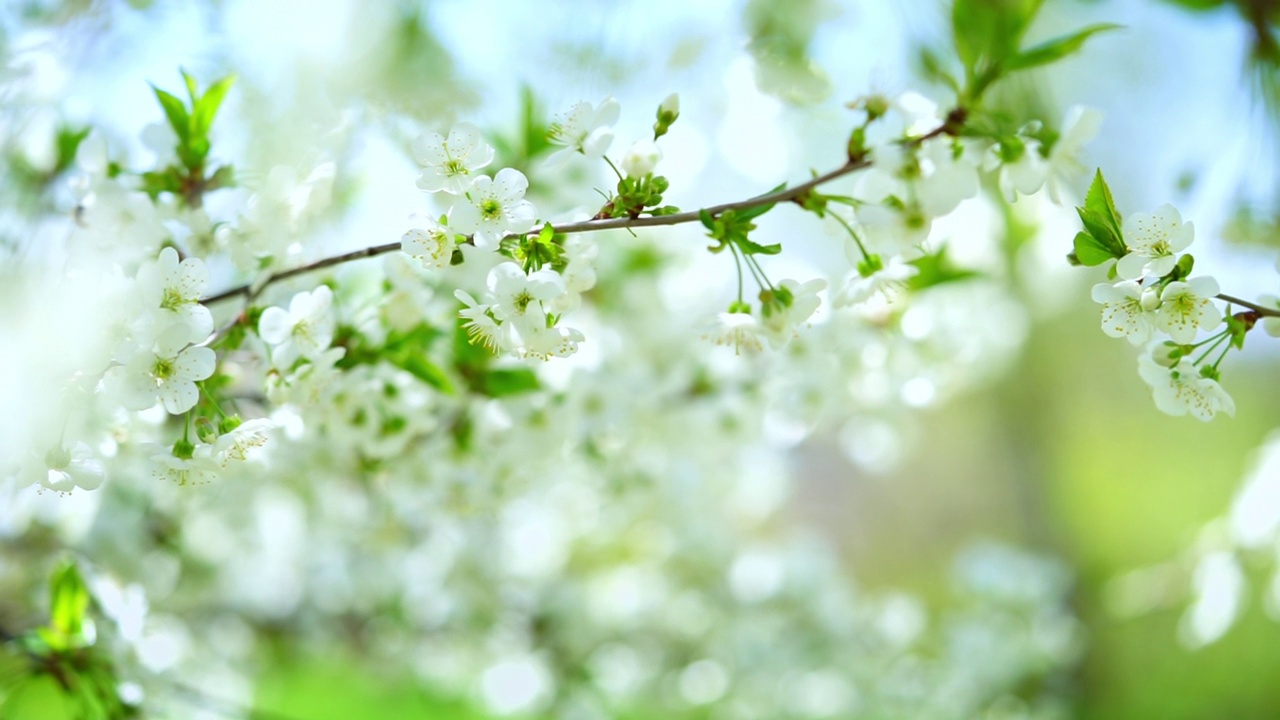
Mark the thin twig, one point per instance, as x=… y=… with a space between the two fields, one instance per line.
x=567 y=228
x=1264 y=311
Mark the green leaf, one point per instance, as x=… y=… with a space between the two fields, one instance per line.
x=1057 y=48
x=1100 y=217
x=990 y=30
x=936 y=270
x=506 y=382
x=750 y=247
x=68 y=602
x=1089 y=251
x=191 y=86
x=708 y=221
x=205 y=109
x=176 y=112
x=1238 y=329
x=425 y=370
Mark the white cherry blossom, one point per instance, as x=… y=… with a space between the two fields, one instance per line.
x=887 y=282
x=64 y=469
x=1154 y=241
x=780 y=323
x=449 y=163
x=175 y=288
x=641 y=158
x=1079 y=127
x=430 y=243
x=303 y=331
x=236 y=444
x=1186 y=307
x=583 y=129
x=1128 y=309
x=1181 y=390
x=513 y=292
x=739 y=329
x=494 y=207
x=167 y=368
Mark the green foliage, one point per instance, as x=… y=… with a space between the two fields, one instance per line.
x=54 y=671
x=533 y=252
x=637 y=196
x=936 y=270
x=1053 y=50
x=191 y=124
x=988 y=38
x=474 y=364
x=530 y=138
x=1102 y=239
x=68 y=603
x=732 y=227
x=406 y=350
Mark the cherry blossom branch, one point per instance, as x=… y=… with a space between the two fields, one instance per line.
x=583 y=226
x=1263 y=311
x=952 y=125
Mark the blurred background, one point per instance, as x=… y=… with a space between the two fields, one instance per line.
x=1053 y=445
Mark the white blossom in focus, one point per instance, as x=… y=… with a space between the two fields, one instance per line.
x=1154 y=241
x=494 y=207
x=1128 y=309
x=303 y=331
x=167 y=368
x=175 y=289
x=450 y=162
x=1188 y=306
x=1181 y=390
x=585 y=129
x=430 y=243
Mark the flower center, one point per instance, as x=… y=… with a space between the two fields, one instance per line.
x=454 y=167
x=490 y=209
x=162 y=369
x=522 y=301
x=172 y=299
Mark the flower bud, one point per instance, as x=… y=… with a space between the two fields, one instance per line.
x=641 y=159
x=668 y=111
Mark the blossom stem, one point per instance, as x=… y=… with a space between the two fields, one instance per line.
x=861 y=248
x=204 y=391
x=612 y=166
x=1216 y=342
x=737 y=261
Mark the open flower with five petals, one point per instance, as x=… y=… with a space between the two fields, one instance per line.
x=449 y=163
x=1154 y=241
x=494 y=207
x=1128 y=309
x=1186 y=307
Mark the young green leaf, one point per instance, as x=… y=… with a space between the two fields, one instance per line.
x=205 y=109
x=750 y=247
x=1091 y=252
x=1057 y=48
x=68 y=602
x=176 y=112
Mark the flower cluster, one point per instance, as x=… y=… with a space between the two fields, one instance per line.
x=1154 y=301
